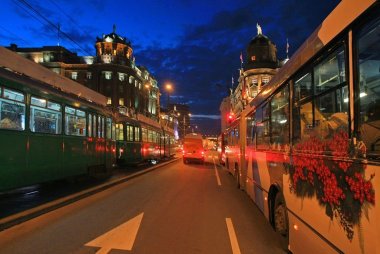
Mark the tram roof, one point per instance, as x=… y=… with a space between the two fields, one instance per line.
x=19 y=64
x=337 y=21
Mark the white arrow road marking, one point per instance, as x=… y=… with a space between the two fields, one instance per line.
x=121 y=237
x=233 y=239
x=216 y=173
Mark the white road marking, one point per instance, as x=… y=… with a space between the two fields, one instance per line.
x=233 y=239
x=216 y=173
x=122 y=237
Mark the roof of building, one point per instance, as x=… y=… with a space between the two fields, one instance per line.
x=113 y=37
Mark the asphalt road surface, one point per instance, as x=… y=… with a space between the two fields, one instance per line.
x=177 y=208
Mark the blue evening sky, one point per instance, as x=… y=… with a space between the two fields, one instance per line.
x=194 y=44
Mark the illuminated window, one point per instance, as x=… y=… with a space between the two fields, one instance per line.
x=109 y=101
x=121 y=76
x=121 y=101
x=130 y=79
x=12 y=110
x=265 y=80
x=108 y=75
x=74 y=75
x=89 y=75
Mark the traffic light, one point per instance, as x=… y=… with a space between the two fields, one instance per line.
x=230 y=117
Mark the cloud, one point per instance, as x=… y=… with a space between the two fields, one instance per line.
x=206 y=116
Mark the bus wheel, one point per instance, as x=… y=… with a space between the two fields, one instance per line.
x=280 y=216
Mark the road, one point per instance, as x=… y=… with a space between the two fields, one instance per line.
x=178 y=208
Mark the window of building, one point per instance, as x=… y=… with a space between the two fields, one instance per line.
x=109 y=101
x=75 y=122
x=121 y=101
x=108 y=75
x=89 y=75
x=121 y=76
x=130 y=79
x=265 y=80
x=74 y=75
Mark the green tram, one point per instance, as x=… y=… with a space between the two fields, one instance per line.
x=47 y=134
x=140 y=142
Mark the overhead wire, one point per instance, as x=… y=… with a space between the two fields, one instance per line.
x=51 y=24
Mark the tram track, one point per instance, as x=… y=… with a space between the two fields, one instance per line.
x=20 y=217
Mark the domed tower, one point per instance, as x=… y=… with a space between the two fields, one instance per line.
x=112 y=48
x=260 y=66
x=261 y=53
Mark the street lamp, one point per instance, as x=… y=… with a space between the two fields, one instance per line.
x=169 y=89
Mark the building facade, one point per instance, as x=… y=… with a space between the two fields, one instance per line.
x=130 y=89
x=260 y=65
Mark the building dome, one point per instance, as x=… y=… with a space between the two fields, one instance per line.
x=261 y=53
x=112 y=48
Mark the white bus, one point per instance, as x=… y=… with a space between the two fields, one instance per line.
x=307 y=147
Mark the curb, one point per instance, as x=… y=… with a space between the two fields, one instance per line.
x=21 y=217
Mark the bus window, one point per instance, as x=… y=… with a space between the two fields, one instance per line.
x=326 y=114
x=12 y=110
x=262 y=128
x=251 y=129
x=45 y=116
x=302 y=86
x=368 y=92
x=75 y=122
x=280 y=119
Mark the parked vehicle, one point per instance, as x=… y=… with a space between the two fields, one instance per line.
x=193 y=149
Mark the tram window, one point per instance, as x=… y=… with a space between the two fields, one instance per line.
x=100 y=127
x=330 y=72
x=150 y=136
x=119 y=132
x=280 y=119
x=302 y=86
x=368 y=92
x=43 y=119
x=108 y=128
x=12 y=110
x=144 y=134
x=113 y=131
x=137 y=134
x=89 y=126
x=93 y=134
x=75 y=122
x=129 y=133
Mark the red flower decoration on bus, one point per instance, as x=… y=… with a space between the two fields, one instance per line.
x=338 y=183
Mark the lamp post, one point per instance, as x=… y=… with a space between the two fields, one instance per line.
x=169 y=89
